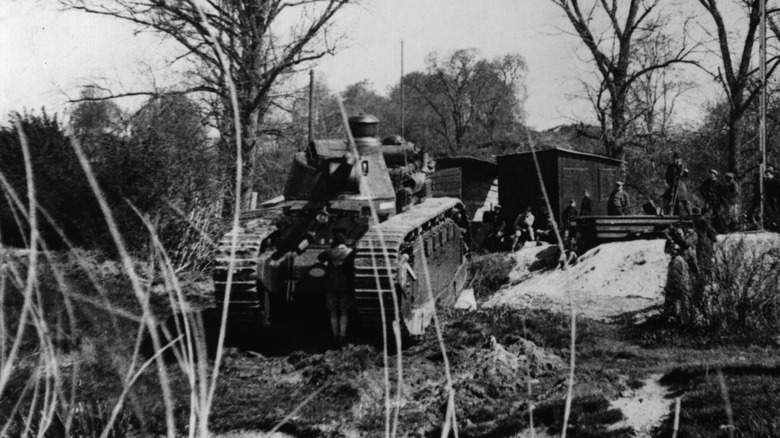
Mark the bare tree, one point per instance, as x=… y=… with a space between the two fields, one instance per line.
x=610 y=29
x=654 y=98
x=260 y=51
x=737 y=73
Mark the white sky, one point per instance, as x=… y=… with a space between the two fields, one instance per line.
x=46 y=54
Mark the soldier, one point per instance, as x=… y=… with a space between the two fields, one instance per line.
x=618 y=203
x=676 y=194
x=339 y=259
x=569 y=213
x=772 y=197
x=680 y=244
x=524 y=229
x=586 y=205
x=706 y=236
x=497 y=235
x=731 y=201
x=710 y=191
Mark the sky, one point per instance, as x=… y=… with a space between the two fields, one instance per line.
x=46 y=55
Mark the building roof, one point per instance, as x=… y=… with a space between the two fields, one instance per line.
x=562 y=151
x=466 y=162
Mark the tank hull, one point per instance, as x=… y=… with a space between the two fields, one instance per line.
x=403 y=267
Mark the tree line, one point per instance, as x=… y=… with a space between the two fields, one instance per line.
x=180 y=147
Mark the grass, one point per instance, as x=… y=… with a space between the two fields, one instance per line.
x=737 y=297
x=490 y=273
x=343 y=387
x=736 y=400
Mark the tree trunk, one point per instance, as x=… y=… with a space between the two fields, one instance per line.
x=248 y=151
x=734 y=141
x=616 y=140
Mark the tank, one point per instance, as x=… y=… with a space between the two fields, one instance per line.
x=410 y=248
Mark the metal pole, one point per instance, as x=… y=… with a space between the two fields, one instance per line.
x=402 y=89
x=311 y=106
x=762 y=128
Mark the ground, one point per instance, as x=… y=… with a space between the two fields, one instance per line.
x=507 y=363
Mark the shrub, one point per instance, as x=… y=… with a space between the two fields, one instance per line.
x=490 y=272
x=740 y=297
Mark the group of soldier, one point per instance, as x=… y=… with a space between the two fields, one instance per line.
x=719 y=213
x=722 y=198
x=525 y=230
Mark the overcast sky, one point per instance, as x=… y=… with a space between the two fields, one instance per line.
x=46 y=54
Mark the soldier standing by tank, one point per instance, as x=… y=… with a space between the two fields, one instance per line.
x=339 y=260
x=618 y=203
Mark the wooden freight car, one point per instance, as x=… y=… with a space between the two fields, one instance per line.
x=472 y=180
x=566 y=175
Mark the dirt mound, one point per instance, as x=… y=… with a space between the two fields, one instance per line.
x=609 y=280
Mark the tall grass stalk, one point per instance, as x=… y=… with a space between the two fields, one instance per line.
x=142 y=297
x=192 y=360
x=366 y=188
x=450 y=419
x=573 y=334
x=206 y=404
x=8 y=365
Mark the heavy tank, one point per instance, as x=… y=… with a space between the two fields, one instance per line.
x=408 y=245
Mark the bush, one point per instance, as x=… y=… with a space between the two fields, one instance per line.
x=490 y=272
x=739 y=298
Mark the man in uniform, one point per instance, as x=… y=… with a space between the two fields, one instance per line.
x=676 y=195
x=586 y=205
x=772 y=196
x=569 y=213
x=524 y=229
x=731 y=201
x=618 y=203
x=338 y=260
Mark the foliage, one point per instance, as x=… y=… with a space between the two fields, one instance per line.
x=738 y=298
x=462 y=101
x=160 y=165
x=491 y=271
x=94 y=117
x=61 y=188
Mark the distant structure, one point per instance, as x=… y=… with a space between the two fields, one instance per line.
x=566 y=174
x=473 y=181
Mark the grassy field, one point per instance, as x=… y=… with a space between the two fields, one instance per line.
x=509 y=368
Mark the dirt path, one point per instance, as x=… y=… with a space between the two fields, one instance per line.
x=644 y=408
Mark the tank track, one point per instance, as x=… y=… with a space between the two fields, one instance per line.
x=376 y=270
x=246 y=302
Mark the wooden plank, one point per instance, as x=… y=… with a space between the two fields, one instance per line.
x=447 y=182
